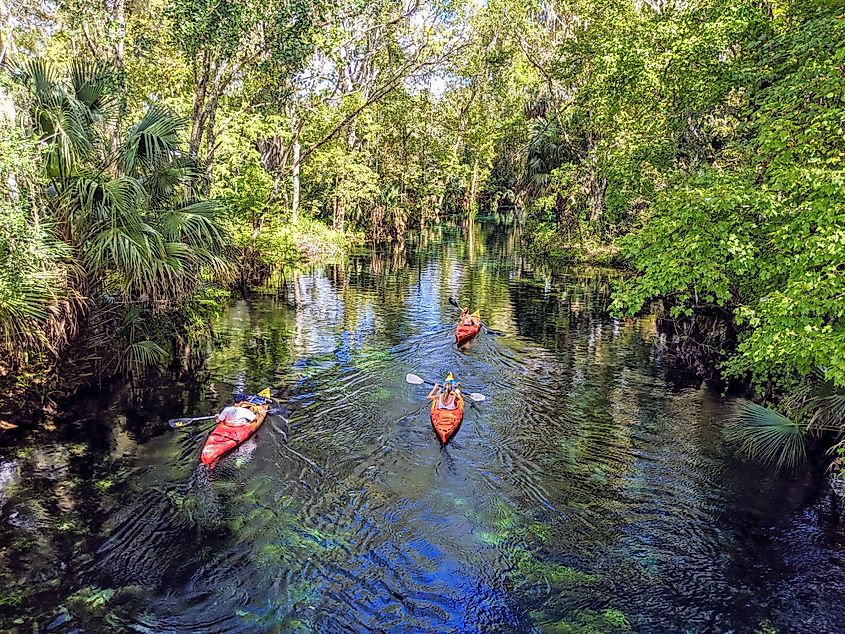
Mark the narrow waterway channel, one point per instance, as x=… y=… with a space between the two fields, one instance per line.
x=588 y=493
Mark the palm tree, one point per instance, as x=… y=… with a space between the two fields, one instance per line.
x=130 y=213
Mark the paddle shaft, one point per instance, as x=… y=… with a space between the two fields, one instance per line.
x=176 y=423
x=473 y=396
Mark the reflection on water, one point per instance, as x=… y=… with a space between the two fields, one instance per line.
x=586 y=494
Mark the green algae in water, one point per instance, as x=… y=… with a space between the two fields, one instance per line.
x=67 y=525
x=616 y=618
x=609 y=621
x=370 y=358
x=104 y=485
x=11 y=598
x=92 y=596
x=534 y=570
x=598 y=476
x=78 y=449
x=381 y=394
x=490 y=538
x=540 y=531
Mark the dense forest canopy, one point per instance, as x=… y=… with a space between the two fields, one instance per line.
x=154 y=151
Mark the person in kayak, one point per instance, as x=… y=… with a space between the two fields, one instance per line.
x=447 y=398
x=468 y=319
x=236 y=416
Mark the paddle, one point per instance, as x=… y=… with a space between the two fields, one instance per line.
x=487 y=329
x=413 y=379
x=176 y=423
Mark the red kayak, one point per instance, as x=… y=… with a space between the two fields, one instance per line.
x=464 y=333
x=447 y=421
x=225 y=437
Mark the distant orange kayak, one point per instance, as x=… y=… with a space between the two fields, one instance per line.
x=225 y=437
x=464 y=333
x=447 y=421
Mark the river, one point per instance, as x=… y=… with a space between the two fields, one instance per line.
x=590 y=491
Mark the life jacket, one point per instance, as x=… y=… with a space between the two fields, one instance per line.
x=440 y=404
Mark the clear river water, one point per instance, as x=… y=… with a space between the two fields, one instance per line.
x=590 y=492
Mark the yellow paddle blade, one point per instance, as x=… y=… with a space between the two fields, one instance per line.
x=265 y=392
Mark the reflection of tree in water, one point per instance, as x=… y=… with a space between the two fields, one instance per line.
x=694 y=347
x=548 y=308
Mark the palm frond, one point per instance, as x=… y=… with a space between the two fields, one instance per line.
x=766 y=436
x=153 y=140
x=90 y=82
x=828 y=411
x=196 y=223
x=116 y=250
x=64 y=133
x=171 y=182
x=40 y=78
x=141 y=354
x=26 y=304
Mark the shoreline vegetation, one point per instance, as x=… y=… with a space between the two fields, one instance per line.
x=192 y=147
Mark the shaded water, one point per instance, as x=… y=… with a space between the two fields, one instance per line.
x=586 y=494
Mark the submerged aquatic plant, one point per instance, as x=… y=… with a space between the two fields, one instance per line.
x=607 y=621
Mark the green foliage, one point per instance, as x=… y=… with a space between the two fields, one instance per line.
x=125 y=209
x=698 y=247
x=32 y=260
x=761 y=232
x=765 y=435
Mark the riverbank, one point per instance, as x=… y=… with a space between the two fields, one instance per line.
x=35 y=390
x=543 y=239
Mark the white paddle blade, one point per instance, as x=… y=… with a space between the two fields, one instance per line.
x=475 y=396
x=413 y=379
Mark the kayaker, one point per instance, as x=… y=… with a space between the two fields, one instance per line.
x=236 y=415
x=468 y=319
x=447 y=397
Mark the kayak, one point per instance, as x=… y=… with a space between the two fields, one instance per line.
x=226 y=437
x=447 y=421
x=464 y=333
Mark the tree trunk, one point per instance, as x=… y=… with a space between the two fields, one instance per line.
x=6 y=33
x=295 y=203
x=201 y=77
x=473 y=188
x=210 y=148
x=596 y=203
x=118 y=14
x=338 y=214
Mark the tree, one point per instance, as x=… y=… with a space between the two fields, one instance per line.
x=254 y=46
x=130 y=219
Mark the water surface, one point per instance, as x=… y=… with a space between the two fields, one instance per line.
x=588 y=493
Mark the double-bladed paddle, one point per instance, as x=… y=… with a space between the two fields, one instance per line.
x=487 y=329
x=176 y=423
x=413 y=379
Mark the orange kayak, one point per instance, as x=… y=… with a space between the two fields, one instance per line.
x=464 y=333
x=225 y=437
x=447 y=421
